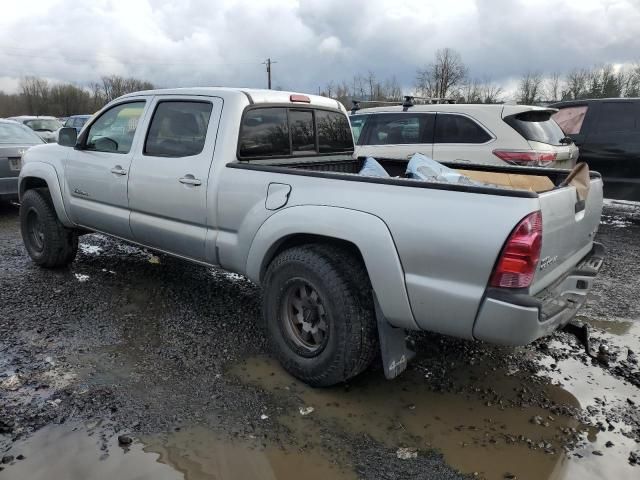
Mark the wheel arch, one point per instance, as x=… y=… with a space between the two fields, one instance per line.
x=366 y=235
x=42 y=175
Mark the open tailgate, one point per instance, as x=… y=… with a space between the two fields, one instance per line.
x=568 y=230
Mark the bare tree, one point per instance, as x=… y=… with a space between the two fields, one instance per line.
x=371 y=84
x=576 y=84
x=552 y=87
x=439 y=79
x=114 y=86
x=35 y=92
x=530 y=88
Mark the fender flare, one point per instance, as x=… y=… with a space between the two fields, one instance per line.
x=46 y=172
x=366 y=231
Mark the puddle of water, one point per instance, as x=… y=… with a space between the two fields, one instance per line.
x=77 y=453
x=71 y=453
x=199 y=454
x=473 y=434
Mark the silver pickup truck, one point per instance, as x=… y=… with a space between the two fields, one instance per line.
x=264 y=183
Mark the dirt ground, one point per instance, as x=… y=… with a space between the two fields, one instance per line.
x=132 y=366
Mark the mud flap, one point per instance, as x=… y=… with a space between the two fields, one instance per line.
x=393 y=346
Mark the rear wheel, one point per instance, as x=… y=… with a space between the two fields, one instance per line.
x=318 y=307
x=48 y=242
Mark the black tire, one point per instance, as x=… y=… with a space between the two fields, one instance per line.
x=350 y=340
x=48 y=242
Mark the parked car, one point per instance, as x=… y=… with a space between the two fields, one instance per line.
x=46 y=127
x=608 y=134
x=481 y=134
x=264 y=183
x=77 y=121
x=15 y=139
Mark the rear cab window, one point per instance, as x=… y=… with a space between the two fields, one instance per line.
x=537 y=126
x=267 y=132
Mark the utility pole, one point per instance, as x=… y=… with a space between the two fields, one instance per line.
x=268 y=63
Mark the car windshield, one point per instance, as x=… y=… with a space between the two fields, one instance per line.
x=15 y=133
x=43 y=125
x=537 y=126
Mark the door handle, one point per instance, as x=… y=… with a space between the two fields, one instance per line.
x=190 y=180
x=118 y=170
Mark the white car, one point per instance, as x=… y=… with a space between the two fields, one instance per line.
x=46 y=127
x=464 y=133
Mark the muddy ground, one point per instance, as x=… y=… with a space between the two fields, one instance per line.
x=133 y=366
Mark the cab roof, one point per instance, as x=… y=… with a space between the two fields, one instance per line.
x=255 y=95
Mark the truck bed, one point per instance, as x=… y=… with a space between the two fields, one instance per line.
x=448 y=236
x=348 y=169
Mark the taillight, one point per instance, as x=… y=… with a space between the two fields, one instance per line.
x=520 y=255
x=526 y=157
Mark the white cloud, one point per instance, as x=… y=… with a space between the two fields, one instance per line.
x=203 y=42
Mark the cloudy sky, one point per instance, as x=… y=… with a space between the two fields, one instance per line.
x=223 y=42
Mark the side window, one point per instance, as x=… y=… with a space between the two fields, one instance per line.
x=114 y=130
x=399 y=128
x=571 y=119
x=617 y=117
x=334 y=134
x=68 y=123
x=357 y=124
x=303 y=139
x=264 y=132
x=458 y=129
x=178 y=129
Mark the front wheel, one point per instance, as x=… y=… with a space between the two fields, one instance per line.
x=48 y=242
x=318 y=307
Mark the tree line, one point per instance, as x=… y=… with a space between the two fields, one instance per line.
x=38 y=96
x=448 y=78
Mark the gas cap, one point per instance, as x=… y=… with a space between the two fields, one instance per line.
x=277 y=196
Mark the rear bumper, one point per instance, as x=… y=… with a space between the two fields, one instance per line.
x=9 y=188
x=518 y=319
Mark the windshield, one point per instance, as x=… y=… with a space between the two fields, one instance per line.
x=15 y=133
x=537 y=126
x=43 y=125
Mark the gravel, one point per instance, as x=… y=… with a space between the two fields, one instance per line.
x=144 y=344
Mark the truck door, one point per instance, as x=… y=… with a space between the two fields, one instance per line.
x=169 y=175
x=97 y=170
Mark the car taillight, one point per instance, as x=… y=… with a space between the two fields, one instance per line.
x=520 y=255
x=526 y=157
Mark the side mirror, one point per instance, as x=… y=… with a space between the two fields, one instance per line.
x=67 y=137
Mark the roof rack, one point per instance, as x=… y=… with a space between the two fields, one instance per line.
x=356 y=103
x=409 y=101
